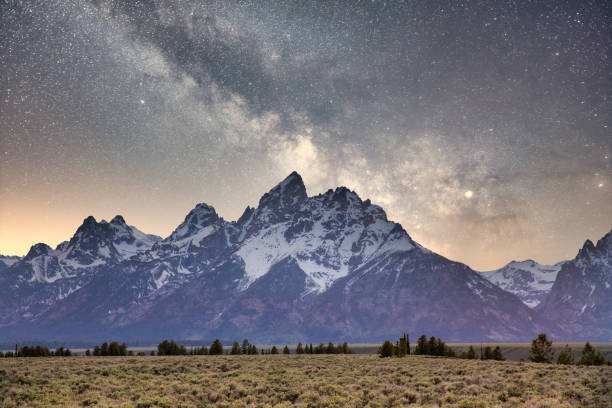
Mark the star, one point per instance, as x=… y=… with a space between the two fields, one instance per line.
x=468 y=194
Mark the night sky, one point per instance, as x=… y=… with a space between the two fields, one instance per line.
x=482 y=127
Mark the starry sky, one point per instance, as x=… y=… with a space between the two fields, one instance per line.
x=483 y=127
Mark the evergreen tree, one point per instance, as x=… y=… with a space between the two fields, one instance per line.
x=216 y=348
x=401 y=349
x=252 y=349
x=299 y=349
x=104 y=349
x=488 y=353
x=236 y=350
x=440 y=348
x=274 y=350
x=286 y=350
x=565 y=356
x=591 y=356
x=345 y=348
x=431 y=346
x=97 y=351
x=497 y=354
x=421 y=347
x=541 y=350
x=330 y=349
x=245 y=346
x=386 y=350
x=87 y=353
x=471 y=354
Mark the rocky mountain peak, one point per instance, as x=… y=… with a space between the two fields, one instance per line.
x=37 y=250
x=118 y=220
x=200 y=217
x=288 y=193
x=605 y=243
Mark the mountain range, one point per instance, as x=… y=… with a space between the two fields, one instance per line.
x=294 y=268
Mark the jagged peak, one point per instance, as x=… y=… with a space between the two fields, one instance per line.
x=201 y=216
x=605 y=242
x=287 y=193
x=37 y=250
x=588 y=246
x=90 y=220
x=118 y=220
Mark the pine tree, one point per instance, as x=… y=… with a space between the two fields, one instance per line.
x=274 y=350
x=440 y=348
x=565 y=355
x=407 y=344
x=216 y=348
x=286 y=350
x=431 y=346
x=471 y=354
x=386 y=350
x=421 y=347
x=245 y=346
x=591 y=356
x=541 y=350
x=497 y=354
x=488 y=353
x=87 y=352
x=235 y=349
x=401 y=350
x=299 y=349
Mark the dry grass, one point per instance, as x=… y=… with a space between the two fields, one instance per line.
x=300 y=381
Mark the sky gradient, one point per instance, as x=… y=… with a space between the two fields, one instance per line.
x=482 y=127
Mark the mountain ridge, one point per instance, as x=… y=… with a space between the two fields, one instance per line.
x=293 y=268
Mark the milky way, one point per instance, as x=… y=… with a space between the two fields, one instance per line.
x=482 y=127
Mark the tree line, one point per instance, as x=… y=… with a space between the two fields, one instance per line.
x=168 y=348
x=37 y=351
x=433 y=347
x=541 y=352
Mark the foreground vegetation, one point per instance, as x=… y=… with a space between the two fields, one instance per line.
x=298 y=380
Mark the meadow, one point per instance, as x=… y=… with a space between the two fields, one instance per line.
x=297 y=381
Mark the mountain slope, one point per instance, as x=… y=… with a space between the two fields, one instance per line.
x=330 y=266
x=7 y=260
x=528 y=280
x=45 y=276
x=581 y=297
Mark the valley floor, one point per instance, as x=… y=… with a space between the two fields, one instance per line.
x=300 y=381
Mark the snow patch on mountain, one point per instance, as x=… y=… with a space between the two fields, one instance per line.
x=528 y=280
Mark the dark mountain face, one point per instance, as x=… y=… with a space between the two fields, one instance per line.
x=581 y=297
x=296 y=268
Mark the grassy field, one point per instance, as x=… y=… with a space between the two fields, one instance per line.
x=297 y=381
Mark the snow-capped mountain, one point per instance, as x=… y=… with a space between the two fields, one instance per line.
x=7 y=260
x=581 y=297
x=36 y=282
x=294 y=268
x=528 y=280
x=330 y=266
